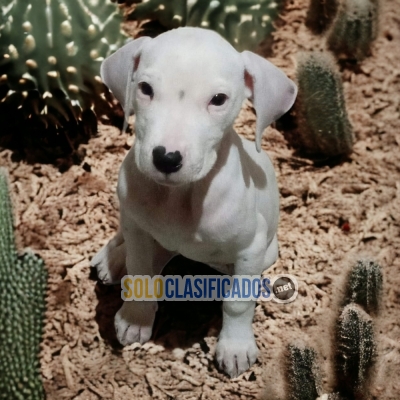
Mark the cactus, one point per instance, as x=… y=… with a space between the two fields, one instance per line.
x=303 y=373
x=356 y=347
x=23 y=281
x=170 y=14
x=321 y=14
x=324 y=126
x=365 y=285
x=355 y=343
x=334 y=396
x=50 y=56
x=355 y=355
x=244 y=23
x=354 y=29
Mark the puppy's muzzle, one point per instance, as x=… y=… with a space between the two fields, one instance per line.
x=166 y=162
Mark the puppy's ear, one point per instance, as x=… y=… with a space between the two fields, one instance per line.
x=116 y=72
x=270 y=90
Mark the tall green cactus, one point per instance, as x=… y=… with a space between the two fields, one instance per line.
x=244 y=23
x=324 y=126
x=356 y=347
x=365 y=285
x=303 y=373
x=23 y=282
x=50 y=56
x=355 y=28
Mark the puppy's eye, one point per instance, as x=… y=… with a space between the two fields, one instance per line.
x=219 y=99
x=146 y=89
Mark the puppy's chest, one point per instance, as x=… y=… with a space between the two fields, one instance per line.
x=182 y=223
x=166 y=216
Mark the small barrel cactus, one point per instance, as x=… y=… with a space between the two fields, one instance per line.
x=50 y=56
x=321 y=14
x=365 y=285
x=303 y=373
x=356 y=347
x=324 y=126
x=244 y=23
x=354 y=29
x=23 y=281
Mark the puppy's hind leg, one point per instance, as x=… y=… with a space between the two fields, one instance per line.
x=110 y=260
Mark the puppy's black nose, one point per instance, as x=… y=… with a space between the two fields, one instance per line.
x=166 y=162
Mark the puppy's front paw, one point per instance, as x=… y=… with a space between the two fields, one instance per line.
x=110 y=263
x=134 y=321
x=236 y=355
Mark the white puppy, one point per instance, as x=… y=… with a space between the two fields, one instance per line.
x=190 y=185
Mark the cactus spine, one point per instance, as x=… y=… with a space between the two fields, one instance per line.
x=23 y=281
x=365 y=285
x=324 y=126
x=354 y=29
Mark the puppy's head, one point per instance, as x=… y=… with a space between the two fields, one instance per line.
x=186 y=87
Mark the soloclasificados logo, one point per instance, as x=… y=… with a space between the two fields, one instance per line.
x=281 y=289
